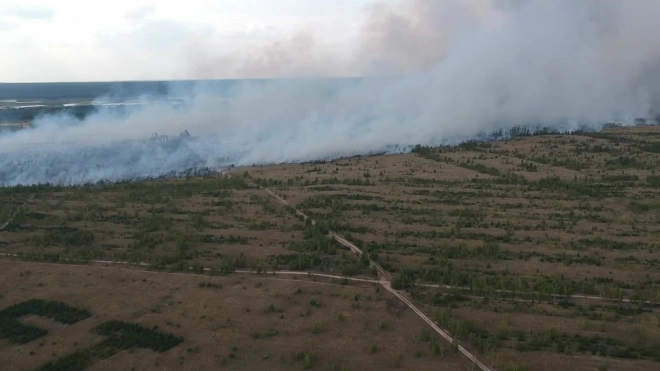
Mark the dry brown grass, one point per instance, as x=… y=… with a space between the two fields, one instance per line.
x=214 y=320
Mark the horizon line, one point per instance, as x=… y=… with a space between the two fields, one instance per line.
x=192 y=80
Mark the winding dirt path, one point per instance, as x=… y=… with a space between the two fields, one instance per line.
x=11 y=219
x=2 y=227
x=385 y=281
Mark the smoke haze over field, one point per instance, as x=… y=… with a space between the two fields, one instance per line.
x=449 y=70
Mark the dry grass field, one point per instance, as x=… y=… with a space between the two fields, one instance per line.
x=537 y=253
x=239 y=323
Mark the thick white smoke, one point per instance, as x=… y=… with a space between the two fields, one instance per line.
x=462 y=67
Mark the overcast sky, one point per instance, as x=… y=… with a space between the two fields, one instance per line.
x=82 y=40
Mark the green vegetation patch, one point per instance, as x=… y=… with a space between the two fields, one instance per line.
x=16 y=332
x=119 y=336
x=64 y=236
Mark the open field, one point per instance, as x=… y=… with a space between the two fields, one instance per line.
x=537 y=253
x=247 y=323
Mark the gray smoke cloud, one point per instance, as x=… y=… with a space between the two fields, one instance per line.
x=412 y=36
x=396 y=37
x=450 y=71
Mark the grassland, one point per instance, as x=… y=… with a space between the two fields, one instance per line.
x=231 y=322
x=536 y=253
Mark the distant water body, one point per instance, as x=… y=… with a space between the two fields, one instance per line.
x=92 y=90
x=119 y=89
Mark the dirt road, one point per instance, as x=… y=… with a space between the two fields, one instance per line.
x=385 y=279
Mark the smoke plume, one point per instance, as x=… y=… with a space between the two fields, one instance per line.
x=436 y=72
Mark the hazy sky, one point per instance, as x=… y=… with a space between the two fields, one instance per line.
x=78 y=40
